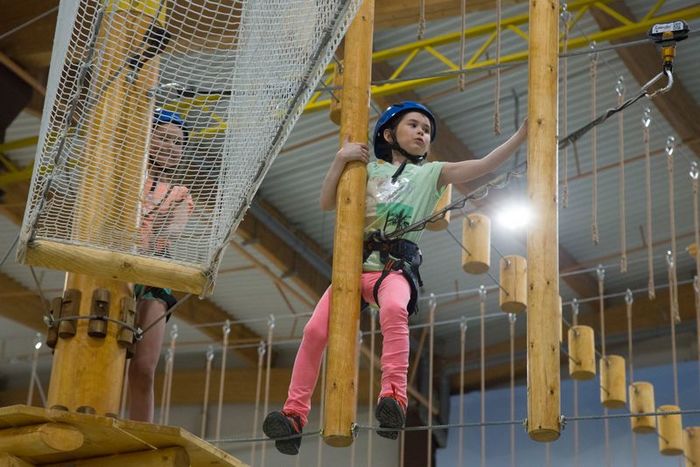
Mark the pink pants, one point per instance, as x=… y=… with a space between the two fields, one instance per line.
x=394 y=295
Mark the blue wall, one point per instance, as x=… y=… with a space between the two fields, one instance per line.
x=591 y=434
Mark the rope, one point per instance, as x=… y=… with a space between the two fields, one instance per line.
x=497 y=103
x=520 y=422
x=125 y=390
x=629 y=300
x=373 y=327
x=565 y=102
x=620 y=89
x=601 y=304
x=9 y=250
x=421 y=19
x=594 y=146
x=462 y=46
x=574 y=320
x=462 y=352
x=431 y=350
x=673 y=319
x=32 y=376
x=601 y=308
x=482 y=364
x=258 y=388
x=164 y=393
x=171 y=355
x=268 y=364
x=357 y=378
x=512 y=317
x=207 y=382
x=646 y=121
x=224 y=347
x=694 y=174
x=322 y=407
x=673 y=277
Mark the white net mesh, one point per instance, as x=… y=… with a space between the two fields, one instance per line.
x=163 y=116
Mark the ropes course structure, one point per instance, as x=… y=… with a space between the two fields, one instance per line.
x=84 y=204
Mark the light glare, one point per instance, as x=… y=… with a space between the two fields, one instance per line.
x=515 y=216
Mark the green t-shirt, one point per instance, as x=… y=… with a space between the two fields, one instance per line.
x=391 y=206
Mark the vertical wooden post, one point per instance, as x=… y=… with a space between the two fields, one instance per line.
x=87 y=372
x=543 y=391
x=341 y=392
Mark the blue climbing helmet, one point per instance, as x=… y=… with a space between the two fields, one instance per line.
x=382 y=148
x=162 y=116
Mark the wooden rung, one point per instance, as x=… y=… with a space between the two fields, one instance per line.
x=670 y=431
x=691 y=446
x=642 y=401
x=7 y=460
x=38 y=440
x=168 y=457
x=476 y=239
x=113 y=265
x=581 y=353
x=613 y=390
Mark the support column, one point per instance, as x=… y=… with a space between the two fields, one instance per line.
x=543 y=391
x=88 y=366
x=341 y=392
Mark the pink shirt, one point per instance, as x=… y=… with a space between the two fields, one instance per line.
x=166 y=208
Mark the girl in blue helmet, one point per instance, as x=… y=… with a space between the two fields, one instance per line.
x=401 y=190
x=166 y=208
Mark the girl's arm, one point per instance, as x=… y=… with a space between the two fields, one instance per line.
x=349 y=152
x=461 y=172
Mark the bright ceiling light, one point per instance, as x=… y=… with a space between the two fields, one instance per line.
x=514 y=216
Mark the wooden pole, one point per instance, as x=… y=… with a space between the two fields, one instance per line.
x=543 y=390
x=341 y=392
x=87 y=373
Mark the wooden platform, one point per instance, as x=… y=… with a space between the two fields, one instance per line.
x=36 y=436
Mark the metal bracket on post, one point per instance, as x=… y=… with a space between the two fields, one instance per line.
x=99 y=312
x=127 y=315
x=52 y=332
x=70 y=308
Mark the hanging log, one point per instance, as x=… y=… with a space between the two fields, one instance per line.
x=513 y=278
x=581 y=353
x=613 y=387
x=670 y=431
x=691 y=446
x=476 y=238
x=642 y=401
x=444 y=200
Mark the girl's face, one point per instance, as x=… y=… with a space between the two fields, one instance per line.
x=166 y=145
x=412 y=133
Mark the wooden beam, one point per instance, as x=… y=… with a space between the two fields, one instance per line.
x=40 y=440
x=643 y=61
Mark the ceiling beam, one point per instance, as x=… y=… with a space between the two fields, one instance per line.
x=643 y=61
